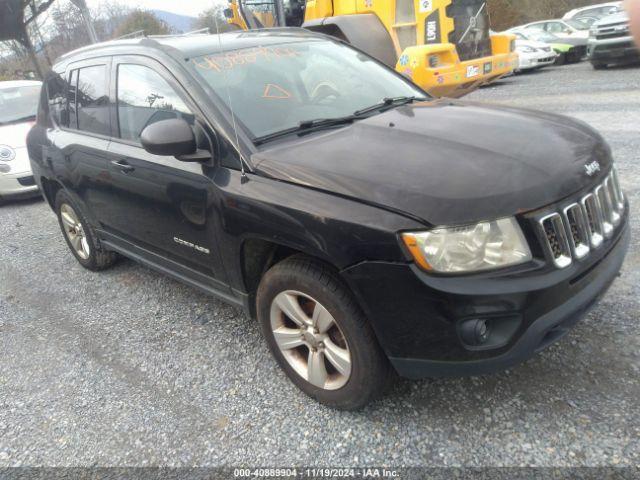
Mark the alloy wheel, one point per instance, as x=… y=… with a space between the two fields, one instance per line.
x=310 y=340
x=74 y=231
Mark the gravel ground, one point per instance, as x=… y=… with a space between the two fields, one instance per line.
x=128 y=367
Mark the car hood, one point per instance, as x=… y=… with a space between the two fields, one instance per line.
x=15 y=135
x=445 y=162
x=574 y=41
x=531 y=43
x=614 y=19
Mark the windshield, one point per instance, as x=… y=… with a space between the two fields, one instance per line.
x=578 y=24
x=18 y=104
x=275 y=88
x=540 y=36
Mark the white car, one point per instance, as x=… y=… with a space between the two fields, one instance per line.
x=534 y=55
x=593 y=11
x=18 y=106
x=565 y=29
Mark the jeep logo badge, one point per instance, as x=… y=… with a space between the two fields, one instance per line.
x=592 y=168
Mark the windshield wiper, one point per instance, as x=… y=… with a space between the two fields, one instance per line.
x=386 y=103
x=307 y=126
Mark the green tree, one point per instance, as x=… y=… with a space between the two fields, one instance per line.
x=142 y=20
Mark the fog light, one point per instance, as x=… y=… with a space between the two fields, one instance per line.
x=4 y=168
x=475 y=332
x=433 y=61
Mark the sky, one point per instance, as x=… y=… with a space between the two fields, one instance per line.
x=185 y=7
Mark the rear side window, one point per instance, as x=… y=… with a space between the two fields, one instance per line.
x=144 y=98
x=92 y=100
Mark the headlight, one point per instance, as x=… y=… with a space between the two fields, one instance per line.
x=527 y=49
x=472 y=248
x=7 y=153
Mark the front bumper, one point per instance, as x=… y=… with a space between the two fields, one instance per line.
x=452 y=77
x=528 y=62
x=16 y=179
x=18 y=185
x=613 y=50
x=417 y=316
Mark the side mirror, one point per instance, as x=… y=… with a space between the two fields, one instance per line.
x=228 y=13
x=172 y=137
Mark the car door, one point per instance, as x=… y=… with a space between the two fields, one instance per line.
x=161 y=207
x=82 y=140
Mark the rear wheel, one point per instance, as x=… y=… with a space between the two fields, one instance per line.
x=80 y=236
x=599 y=66
x=319 y=335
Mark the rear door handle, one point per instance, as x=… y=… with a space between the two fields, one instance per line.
x=123 y=166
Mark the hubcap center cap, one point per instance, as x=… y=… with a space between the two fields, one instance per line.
x=311 y=336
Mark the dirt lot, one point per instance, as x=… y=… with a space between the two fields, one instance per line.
x=128 y=367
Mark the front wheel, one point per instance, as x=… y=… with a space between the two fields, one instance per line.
x=319 y=336
x=599 y=66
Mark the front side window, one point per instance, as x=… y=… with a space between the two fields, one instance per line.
x=88 y=100
x=19 y=104
x=144 y=97
x=536 y=26
x=556 y=27
x=273 y=88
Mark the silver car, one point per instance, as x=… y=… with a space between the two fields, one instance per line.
x=18 y=106
x=611 y=42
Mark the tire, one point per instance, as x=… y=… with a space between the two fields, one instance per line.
x=561 y=60
x=599 y=66
x=80 y=235
x=315 y=289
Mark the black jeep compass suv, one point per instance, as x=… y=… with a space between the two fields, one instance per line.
x=370 y=229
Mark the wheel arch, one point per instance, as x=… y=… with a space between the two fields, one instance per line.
x=258 y=255
x=50 y=189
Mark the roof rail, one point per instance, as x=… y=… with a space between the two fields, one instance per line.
x=200 y=31
x=136 y=34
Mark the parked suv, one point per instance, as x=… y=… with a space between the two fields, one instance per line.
x=371 y=229
x=611 y=42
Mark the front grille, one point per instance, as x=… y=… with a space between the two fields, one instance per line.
x=607 y=36
x=582 y=226
x=471 y=33
x=579 y=51
x=613 y=31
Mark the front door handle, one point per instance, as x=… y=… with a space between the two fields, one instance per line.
x=123 y=166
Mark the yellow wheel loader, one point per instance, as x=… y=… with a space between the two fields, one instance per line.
x=444 y=46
